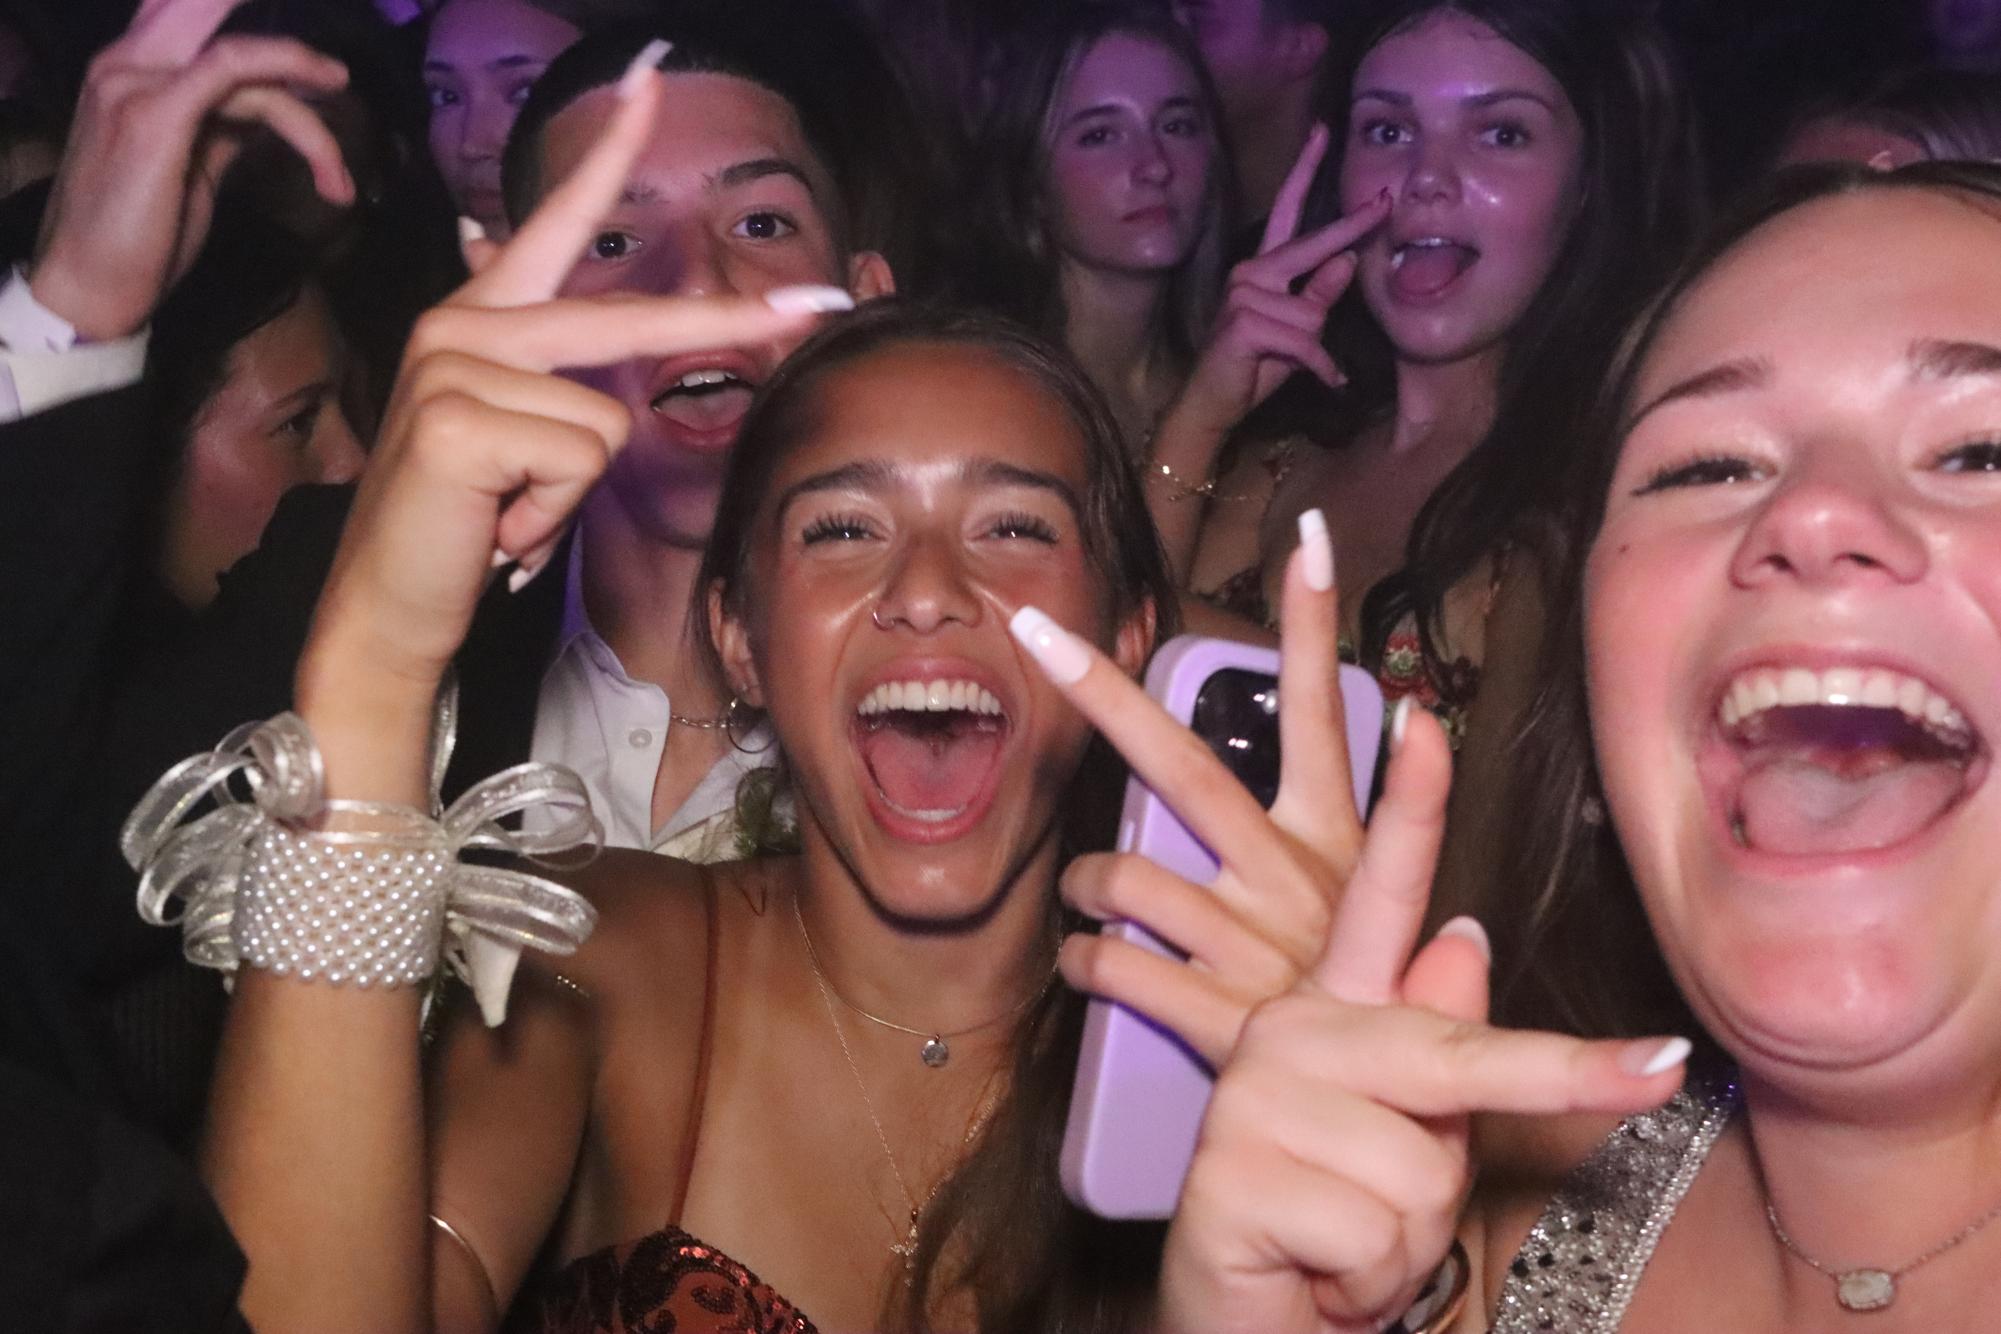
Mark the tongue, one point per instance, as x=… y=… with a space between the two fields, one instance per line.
x=933 y=766
x=1806 y=804
x=1429 y=270
x=706 y=409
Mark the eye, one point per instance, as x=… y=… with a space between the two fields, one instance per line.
x=614 y=245
x=518 y=94
x=298 y=428
x=1383 y=133
x=440 y=98
x=1506 y=134
x=1186 y=127
x=837 y=528
x=1097 y=136
x=1020 y=524
x=1973 y=456
x=765 y=225
x=1707 y=470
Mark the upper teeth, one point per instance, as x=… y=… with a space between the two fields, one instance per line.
x=1753 y=692
x=701 y=379
x=1402 y=252
x=929 y=697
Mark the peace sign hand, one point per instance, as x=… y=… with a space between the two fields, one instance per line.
x=1268 y=330
x=484 y=452
x=1256 y=929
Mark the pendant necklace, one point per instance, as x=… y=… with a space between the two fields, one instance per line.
x=905 y=1246
x=1868 y=1289
x=937 y=1048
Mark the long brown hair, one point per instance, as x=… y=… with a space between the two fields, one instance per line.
x=1572 y=945
x=999 y=1235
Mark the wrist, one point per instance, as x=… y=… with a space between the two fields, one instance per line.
x=57 y=287
x=1190 y=437
x=372 y=722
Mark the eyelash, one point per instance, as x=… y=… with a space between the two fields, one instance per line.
x=1985 y=454
x=836 y=528
x=629 y=242
x=787 y=225
x=1022 y=524
x=1705 y=470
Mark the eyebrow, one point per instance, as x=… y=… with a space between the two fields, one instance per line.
x=1180 y=101
x=1729 y=378
x=505 y=62
x=1478 y=100
x=1950 y=359
x=730 y=178
x=880 y=474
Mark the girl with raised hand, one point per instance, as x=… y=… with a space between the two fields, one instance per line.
x=843 y=1069
x=1781 y=645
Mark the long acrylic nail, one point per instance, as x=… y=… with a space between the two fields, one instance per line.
x=499 y=558
x=1399 y=722
x=648 y=60
x=809 y=299
x=470 y=232
x=1316 y=551
x=1647 y=1059
x=1060 y=654
x=525 y=572
x=1469 y=928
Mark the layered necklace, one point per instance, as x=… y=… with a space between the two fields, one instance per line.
x=905 y=1244
x=936 y=1050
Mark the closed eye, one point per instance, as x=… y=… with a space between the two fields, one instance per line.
x=837 y=528
x=1708 y=470
x=1024 y=525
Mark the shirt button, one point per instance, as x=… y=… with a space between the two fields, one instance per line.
x=640 y=738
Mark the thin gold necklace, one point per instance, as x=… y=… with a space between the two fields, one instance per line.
x=937 y=1048
x=905 y=1246
x=1869 y=1289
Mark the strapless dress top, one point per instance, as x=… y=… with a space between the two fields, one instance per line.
x=667 y=1282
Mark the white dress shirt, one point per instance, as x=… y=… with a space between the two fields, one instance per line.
x=43 y=365
x=592 y=717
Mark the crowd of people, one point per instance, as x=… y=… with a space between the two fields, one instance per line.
x=586 y=566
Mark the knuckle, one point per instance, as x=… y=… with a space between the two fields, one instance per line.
x=436 y=330
x=445 y=421
x=1122 y=884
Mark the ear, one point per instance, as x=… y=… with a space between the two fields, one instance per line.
x=732 y=640
x=869 y=276
x=1302 y=49
x=1134 y=643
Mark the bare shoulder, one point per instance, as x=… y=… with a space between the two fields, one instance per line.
x=652 y=917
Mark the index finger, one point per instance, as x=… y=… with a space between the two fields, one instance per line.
x=1316 y=790
x=1290 y=203
x=173 y=32
x=532 y=266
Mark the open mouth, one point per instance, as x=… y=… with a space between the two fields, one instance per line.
x=1424 y=267
x=932 y=749
x=1842 y=761
x=705 y=399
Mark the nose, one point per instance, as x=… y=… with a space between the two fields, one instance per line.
x=928 y=588
x=338 y=451
x=1825 y=526
x=1434 y=172
x=687 y=260
x=483 y=133
x=1151 y=165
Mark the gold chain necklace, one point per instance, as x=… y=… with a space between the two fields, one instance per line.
x=937 y=1048
x=1869 y=1289
x=905 y=1246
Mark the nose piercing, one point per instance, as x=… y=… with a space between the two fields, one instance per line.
x=875 y=617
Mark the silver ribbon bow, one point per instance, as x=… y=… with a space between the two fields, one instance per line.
x=191 y=870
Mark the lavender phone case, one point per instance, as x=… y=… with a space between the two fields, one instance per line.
x=1140 y=1093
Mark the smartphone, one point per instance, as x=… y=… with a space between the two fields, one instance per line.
x=1141 y=1092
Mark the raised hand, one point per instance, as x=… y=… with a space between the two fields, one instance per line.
x=163 y=113
x=1256 y=929
x=484 y=452
x=1267 y=330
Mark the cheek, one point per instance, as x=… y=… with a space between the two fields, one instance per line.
x=232 y=480
x=1530 y=208
x=1078 y=186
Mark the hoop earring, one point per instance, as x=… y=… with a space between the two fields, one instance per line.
x=875 y=617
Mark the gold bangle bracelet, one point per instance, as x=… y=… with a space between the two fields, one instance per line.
x=1185 y=489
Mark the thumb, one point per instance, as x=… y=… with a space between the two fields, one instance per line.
x=1450 y=975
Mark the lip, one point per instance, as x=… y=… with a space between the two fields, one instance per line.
x=717 y=439
x=1153 y=215
x=1719 y=767
x=892 y=820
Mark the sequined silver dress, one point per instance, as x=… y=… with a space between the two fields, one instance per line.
x=1577 y=1271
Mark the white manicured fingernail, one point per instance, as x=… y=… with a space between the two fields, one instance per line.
x=808 y=299
x=499 y=559
x=470 y=231
x=1647 y=1059
x=648 y=60
x=525 y=573
x=1468 y=928
x=1060 y=654
x=1399 y=720
x=1317 y=549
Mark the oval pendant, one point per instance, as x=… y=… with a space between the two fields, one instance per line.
x=935 y=1053
x=1865 y=1289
